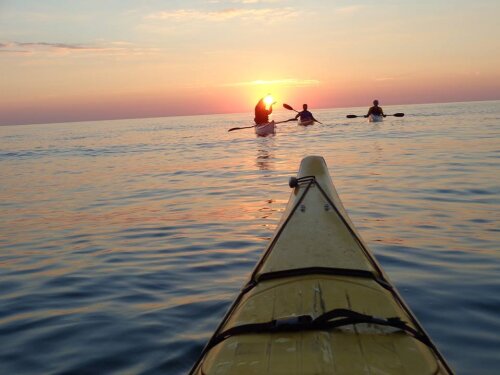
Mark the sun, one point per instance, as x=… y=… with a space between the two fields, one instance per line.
x=268 y=100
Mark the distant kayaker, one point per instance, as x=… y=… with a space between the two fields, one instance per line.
x=263 y=109
x=305 y=115
x=375 y=110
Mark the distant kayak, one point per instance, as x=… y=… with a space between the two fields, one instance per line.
x=375 y=118
x=318 y=302
x=305 y=122
x=265 y=129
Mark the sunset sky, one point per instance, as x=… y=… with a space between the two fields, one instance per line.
x=105 y=59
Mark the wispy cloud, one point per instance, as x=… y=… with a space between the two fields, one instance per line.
x=244 y=1
x=52 y=45
x=224 y=14
x=47 y=48
x=384 y=79
x=287 y=82
x=256 y=1
x=350 y=9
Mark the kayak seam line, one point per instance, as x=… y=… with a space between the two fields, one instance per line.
x=353 y=233
x=280 y=231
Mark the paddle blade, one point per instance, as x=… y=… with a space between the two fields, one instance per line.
x=399 y=115
x=288 y=107
x=351 y=116
x=244 y=127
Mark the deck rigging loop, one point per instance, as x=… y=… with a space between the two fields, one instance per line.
x=329 y=320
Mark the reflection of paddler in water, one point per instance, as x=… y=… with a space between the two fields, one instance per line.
x=265 y=155
x=263 y=109
x=264 y=160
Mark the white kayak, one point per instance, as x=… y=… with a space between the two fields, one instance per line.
x=375 y=118
x=305 y=122
x=265 y=129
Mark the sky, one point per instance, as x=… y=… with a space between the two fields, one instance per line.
x=72 y=60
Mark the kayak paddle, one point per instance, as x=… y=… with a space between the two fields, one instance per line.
x=395 y=115
x=244 y=127
x=291 y=109
x=248 y=127
x=290 y=119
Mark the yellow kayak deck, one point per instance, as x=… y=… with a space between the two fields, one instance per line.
x=318 y=302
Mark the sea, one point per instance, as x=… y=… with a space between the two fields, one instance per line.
x=123 y=243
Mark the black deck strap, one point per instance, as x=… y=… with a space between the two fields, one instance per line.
x=314 y=271
x=330 y=320
x=346 y=316
x=330 y=271
x=306 y=178
x=351 y=315
x=340 y=313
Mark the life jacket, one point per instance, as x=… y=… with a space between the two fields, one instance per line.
x=376 y=110
x=305 y=115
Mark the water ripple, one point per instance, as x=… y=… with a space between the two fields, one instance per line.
x=124 y=242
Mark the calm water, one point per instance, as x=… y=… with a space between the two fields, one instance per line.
x=124 y=242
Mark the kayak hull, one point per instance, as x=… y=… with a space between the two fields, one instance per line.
x=375 y=118
x=316 y=265
x=305 y=122
x=265 y=129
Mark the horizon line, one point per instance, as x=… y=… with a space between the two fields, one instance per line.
x=229 y=113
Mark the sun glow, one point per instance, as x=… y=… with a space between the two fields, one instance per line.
x=268 y=100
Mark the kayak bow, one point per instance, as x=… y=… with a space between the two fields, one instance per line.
x=375 y=118
x=318 y=302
